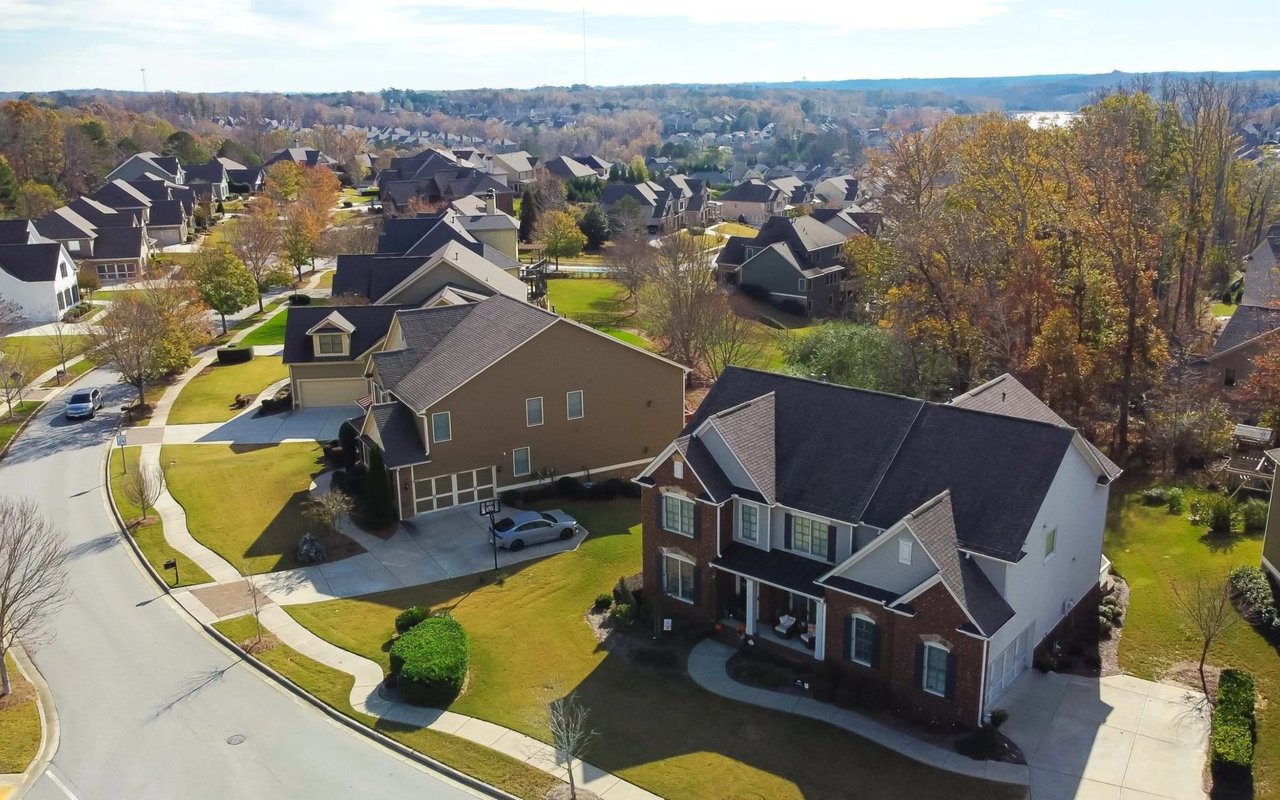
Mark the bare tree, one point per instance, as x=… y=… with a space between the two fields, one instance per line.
x=567 y=719
x=731 y=339
x=630 y=261
x=17 y=369
x=681 y=298
x=10 y=315
x=62 y=345
x=328 y=509
x=255 y=238
x=143 y=487
x=1206 y=605
x=33 y=578
x=360 y=237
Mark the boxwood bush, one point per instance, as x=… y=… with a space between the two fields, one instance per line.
x=429 y=662
x=234 y=354
x=410 y=617
x=1232 y=737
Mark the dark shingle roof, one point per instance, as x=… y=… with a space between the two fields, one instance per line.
x=904 y=452
x=167 y=212
x=778 y=567
x=211 y=172
x=401 y=443
x=1248 y=322
x=1262 y=271
x=372 y=276
x=486 y=332
x=119 y=194
x=126 y=243
x=749 y=432
x=371 y=324
x=63 y=223
x=16 y=231
x=752 y=191
x=718 y=486
x=31 y=263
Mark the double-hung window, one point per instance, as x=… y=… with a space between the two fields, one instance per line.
x=677 y=577
x=520 y=461
x=330 y=344
x=441 y=427
x=677 y=514
x=533 y=412
x=573 y=404
x=748 y=522
x=935 y=666
x=809 y=536
x=863 y=649
x=1050 y=543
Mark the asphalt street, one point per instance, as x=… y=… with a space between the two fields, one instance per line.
x=150 y=707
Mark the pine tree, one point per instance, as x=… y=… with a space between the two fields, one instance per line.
x=528 y=215
x=8 y=185
x=379 y=508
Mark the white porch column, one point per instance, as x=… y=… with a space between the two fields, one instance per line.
x=751 y=606
x=820 y=646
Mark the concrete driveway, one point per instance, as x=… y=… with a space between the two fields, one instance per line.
x=253 y=427
x=424 y=549
x=1118 y=738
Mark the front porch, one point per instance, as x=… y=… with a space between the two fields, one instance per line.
x=788 y=622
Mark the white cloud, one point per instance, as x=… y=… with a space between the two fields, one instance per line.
x=1062 y=13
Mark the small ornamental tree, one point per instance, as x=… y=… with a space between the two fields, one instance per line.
x=222 y=281
x=560 y=236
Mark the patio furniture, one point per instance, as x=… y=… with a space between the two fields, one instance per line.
x=786 y=624
x=809 y=636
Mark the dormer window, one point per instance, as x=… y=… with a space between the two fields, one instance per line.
x=331 y=344
x=331 y=336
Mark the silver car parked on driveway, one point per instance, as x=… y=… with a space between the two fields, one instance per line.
x=516 y=530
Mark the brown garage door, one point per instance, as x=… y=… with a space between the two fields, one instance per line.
x=332 y=392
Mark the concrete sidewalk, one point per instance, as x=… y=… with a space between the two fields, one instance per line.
x=707 y=668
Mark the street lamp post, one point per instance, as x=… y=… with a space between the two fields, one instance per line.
x=491 y=507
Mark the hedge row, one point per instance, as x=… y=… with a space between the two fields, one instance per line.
x=1254 y=592
x=1231 y=740
x=429 y=662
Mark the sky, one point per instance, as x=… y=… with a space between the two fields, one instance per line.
x=334 y=45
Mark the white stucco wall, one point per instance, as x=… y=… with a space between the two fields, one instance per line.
x=39 y=301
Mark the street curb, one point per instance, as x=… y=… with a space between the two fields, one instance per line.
x=50 y=729
x=4 y=451
x=293 y=688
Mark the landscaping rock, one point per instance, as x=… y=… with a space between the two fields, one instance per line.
x=309 y=550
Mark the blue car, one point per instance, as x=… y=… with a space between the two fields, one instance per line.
x=84 y=403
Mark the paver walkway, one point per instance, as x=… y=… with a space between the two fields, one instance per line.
x=707 y=668
x=359 y=574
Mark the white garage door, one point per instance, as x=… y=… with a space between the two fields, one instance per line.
x=1007 y=666
x=446 y=491
x=332 y=392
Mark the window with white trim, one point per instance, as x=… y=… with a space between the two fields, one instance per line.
x=904 y=551
x=330 y=344
x=803 y=284
x=573 y=404
x=934 y=677
x=1050 y=543
x=809 y=536
x=677 y=514
x=533 y=412
x=862 y=649
x=748 y=522
x=677 y=469
x=441 y=427
x=677 y=577
x=521 y=463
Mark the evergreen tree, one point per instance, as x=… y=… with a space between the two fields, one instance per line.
x=528 y=215
x=379 y=508
x=595 y=226
x=8 y=185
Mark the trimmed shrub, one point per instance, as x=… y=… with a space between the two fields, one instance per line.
x=603 y=601
x=873 y=696
x=510 y=497
x=1174 y=500
x=1217 y=512
x=1232 y=736
x=1253 y=512
x=429 y=662
x=622 y=613
x=347 y=441
x=410 y=617
x=235 y=354
x=612 y=488
x=632 y=490
x=1153 y=496
x=1253 y=590
x=569 y=486
x=299 y=299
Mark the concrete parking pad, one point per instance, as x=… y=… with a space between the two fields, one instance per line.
x=1118 y=738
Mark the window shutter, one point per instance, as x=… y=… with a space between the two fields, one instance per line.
x=831 y=543
x=875 y=646
x=697 y=520
x=951 y=675
x=697 y=585
x=786 y=528
x=919 y=665
x=848 y=638
x=662 y=519
x=660 y=572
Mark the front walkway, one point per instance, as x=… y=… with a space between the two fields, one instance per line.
x=1118 y=737
x=707 y=667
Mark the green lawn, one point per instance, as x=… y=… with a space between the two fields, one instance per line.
x=150 y=537
x=1154 y=551
x=212 y=481
x=334 y=687
x=9 y=423
x=79 y=368
x=111 y=294
x=736 y=229
x=42 y=350
x=326 y=280
x=598 y=302
x=19 y=723
x=529 y=643
x=209 y=396
x=1223 y=309
x=271 y=331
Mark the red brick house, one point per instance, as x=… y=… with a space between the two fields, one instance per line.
x=927 y=548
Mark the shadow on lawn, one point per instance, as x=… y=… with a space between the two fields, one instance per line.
x=1227 y=542
x=280 y=536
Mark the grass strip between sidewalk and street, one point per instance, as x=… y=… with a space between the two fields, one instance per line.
x=149 y=537
x=333 y=687
x=11 y=423
x=19 y=723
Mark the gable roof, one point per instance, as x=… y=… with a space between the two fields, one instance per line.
x=453 y=343
x=119 y=194
x=749 y=432
x=18 y=231
x=166 y=213
x=371 y=276
x=752 y=191
x=212 y=171
x=31 y=263
x=1262 y=272
x=397 y=429
x=63 y=223
x=906 y=451
x=369 y=325
x=1246 y=324
x=100 y=214
x=127 y=243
